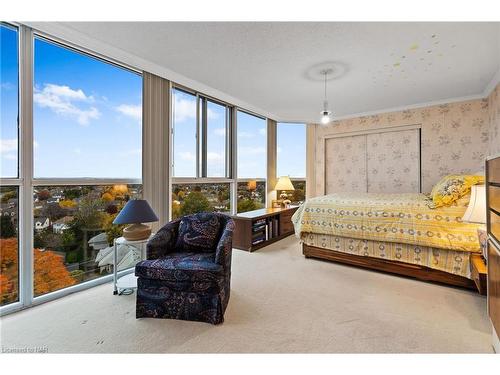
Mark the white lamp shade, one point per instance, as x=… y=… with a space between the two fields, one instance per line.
x=476 y=212
x=284 y=183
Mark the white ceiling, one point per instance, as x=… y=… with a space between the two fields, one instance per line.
x=388 y=65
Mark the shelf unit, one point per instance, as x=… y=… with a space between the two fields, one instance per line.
x=259 y=228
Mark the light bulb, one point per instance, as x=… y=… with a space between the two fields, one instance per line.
x=325 y=117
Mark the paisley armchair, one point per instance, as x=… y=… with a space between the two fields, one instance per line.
x=187 y=273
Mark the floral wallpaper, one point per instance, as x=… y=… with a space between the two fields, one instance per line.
x=392 y=163
x=345 y=158
x=494 y=118
x=454 y=137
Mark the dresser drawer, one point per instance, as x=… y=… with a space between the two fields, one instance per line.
x=494 y=284
x=493 y=167
x=494 y=225
x=494 y=197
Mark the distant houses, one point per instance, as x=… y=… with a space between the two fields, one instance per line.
x=41 y=222
x=62 y=224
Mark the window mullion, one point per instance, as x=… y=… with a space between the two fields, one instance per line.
x=26 y=166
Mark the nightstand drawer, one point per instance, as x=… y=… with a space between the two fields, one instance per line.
x=494 y=197
x=479 y=273
x=494 y=225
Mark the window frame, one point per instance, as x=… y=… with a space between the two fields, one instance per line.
x=26 y=180
x=247 y=179
x=302 y=178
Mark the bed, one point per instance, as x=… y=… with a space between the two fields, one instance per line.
x=397 y=233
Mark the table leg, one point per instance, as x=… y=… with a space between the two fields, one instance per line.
x=115 y=289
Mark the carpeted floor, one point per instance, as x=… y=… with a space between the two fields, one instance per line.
x=280 y=302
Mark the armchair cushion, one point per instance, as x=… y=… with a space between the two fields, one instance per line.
x=198 y=233
x=194 y=267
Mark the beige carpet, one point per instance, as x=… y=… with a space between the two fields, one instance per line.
x=280 y=302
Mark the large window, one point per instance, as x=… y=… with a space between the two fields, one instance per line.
x=184 y=138
x=9 y=248
x=291 y=157
x=9 y=165
x=9 y=107
x=87 y=116
x=200 y=197
x=251 y=161
x=201 y=136
x=201 y=154
x=73 y=233
x=252 y=146
x=216 y=139
x=87 y=123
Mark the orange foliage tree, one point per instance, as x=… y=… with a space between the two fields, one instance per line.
x=9 y=274
x=50 y=272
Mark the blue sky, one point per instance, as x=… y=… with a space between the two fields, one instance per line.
x=252 y=146
x=87 y=114
x=291 y=142
x=8 y=102
x=87 y=122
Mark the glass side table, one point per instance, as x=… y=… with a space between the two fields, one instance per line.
x=127 y=283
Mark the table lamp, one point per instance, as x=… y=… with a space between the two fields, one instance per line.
x=252 y=185
x=284 y=184
x=136 y=212
x=476 y=213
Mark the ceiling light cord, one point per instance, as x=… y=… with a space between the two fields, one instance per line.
x=325 y=114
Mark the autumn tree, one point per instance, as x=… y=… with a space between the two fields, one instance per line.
x=9 y=277
x=67 y=203
x=50 y=273
x=43 y=195
x=195 y=202
x=7 y=229
x=53 y=211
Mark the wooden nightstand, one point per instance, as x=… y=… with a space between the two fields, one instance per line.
x=479 y=273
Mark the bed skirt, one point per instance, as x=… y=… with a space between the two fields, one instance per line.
x=450 y=261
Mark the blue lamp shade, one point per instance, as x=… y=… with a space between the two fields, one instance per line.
x=136 y=211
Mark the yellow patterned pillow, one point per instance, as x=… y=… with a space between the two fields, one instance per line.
x=451 y=188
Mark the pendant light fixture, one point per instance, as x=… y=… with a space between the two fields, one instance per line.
x=325 y=113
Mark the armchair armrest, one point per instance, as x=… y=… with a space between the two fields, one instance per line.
x=163 y=241
x=225 y=245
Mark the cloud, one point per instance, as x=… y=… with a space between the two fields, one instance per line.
x=8 y=145
x=262 y=131
x=66 y=92
x=243 y=134
x=186 y=155
x=214 y=157
x=220 y=131
x=8 y=149
x=60 y=99
x=131 y=110
x=7 y=86
x=185 y=109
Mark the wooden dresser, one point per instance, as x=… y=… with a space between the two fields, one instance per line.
x=259 y=228
x=493 y=227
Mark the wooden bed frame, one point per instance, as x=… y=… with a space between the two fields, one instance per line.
x=399 y=268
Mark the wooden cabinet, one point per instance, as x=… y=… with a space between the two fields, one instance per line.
x=494 y=285
x=493 y=227
x=259 y=228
